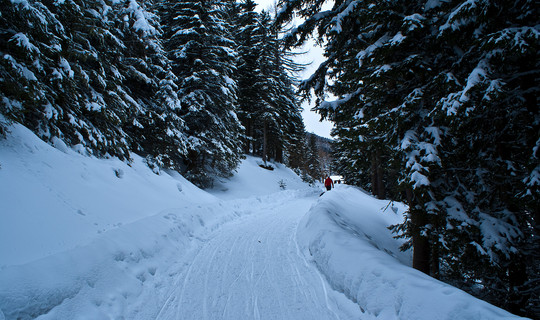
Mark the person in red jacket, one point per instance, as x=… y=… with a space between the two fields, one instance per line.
x=328 y=183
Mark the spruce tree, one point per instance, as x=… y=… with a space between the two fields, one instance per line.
x=443 y=94
x=203 y=58
x=314 y=166
x=154 y=123
x=490 y=111
x=68 y=70
x=269 y=107
x=248 y=93
x=90 y=76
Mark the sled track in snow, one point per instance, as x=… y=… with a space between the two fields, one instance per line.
x=252 y=269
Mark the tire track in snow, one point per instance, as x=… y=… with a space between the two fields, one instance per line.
x=252 y=269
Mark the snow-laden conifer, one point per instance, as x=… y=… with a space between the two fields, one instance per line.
x=203 y=58
x=269 y=107
x=88 y=73
x=441 y=95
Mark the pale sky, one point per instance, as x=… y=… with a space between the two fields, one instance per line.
x=314 y=55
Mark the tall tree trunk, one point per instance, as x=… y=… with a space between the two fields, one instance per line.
x=517 y=277
x=434 y=268
x=265 y=129
x=377 y=182
x=279 y=154
x=374 y=179
x=435 y=247
x=249 y=136
x=252 y=136
x=381 y=192
x=421 y=247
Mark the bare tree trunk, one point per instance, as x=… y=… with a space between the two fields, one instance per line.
x=435 y=269
x=264 y=155
x=381 y=192
x=377 y=183
x=279 y=154
x=374 y=179
x=421 y=247
x=249 y=136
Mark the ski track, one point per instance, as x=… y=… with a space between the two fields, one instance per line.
x=252 y=269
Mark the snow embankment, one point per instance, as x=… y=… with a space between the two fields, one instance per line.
x=55 y=199
x=345 y=235
x=252 y=180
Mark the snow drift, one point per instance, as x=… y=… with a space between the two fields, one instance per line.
x=346 y=236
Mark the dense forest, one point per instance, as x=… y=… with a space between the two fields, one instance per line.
x=189 y=85
x=437 y=106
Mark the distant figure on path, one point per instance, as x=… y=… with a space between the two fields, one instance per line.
x=328 y=183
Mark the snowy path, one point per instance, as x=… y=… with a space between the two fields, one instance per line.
x=252 y=269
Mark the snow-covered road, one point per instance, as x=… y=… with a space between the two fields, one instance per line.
x=252 y=269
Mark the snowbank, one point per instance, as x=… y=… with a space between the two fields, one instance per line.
x=253 y=180
x=345 y=235
x=53 y=200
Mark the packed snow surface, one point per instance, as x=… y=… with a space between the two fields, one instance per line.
x=87 y=238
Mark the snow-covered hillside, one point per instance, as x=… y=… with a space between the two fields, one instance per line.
x=87 y=238
x=56 y=199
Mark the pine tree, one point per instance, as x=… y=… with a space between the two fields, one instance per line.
x=442 y=93
x=259 y=110
x=154 y=123
x=72 y=88
x=490 y=111
x=313 y=164
x=90 y=77
x=203 y=58
x=248 y=93
x=269 y=107
x=30 y=33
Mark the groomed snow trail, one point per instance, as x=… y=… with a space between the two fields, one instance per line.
x=252 y=269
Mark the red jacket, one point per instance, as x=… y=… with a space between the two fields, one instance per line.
x=328 y=182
